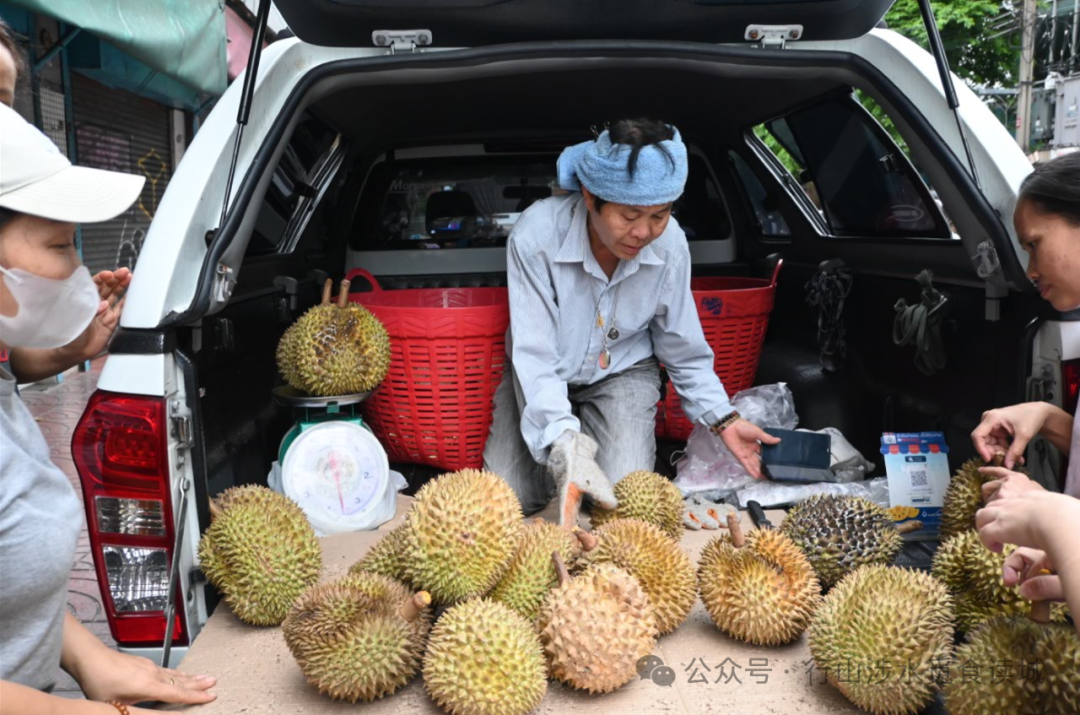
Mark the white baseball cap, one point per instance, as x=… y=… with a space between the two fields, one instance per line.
x=36 y=179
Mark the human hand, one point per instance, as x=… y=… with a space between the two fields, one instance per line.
x=1006 y=483
x=744 y=439
x=1025 y=567
x=573 y=466
x=1024 y=518
x=702 y=513
x=1008 y=430
x=112 y=675
x=111 y=285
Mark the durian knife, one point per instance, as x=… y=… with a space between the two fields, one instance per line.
x=758 y=515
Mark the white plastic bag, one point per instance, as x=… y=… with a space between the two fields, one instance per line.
x=707 y=464
x=772 y=494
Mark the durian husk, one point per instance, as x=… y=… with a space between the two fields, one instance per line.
x=595 y=627
x=461 y=534
x=260 y=552
x=763 y=593
x=838 y=534
x=964 y=496
x=357 y=638
x=386 y=557
x=1014 y=665
x=882 y=636
x=647 y=553
x=531 y=574
x=973 y=574
x=649 y=497
x=484 y=659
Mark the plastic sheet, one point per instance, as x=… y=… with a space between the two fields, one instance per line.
x=708 y=465
x=775 y=494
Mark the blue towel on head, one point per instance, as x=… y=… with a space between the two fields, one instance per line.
x=601 y=166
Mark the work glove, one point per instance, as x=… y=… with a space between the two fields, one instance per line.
x=573 y=466
x=701 y=513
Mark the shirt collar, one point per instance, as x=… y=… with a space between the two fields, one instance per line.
x=575 y=245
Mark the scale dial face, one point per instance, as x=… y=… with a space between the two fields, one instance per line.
x=337 y=470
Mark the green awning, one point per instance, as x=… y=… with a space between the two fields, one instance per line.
x=183 y=39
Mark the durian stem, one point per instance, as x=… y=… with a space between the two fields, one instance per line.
x=215 y=509
x=1040 y=611
x=412 y=607
x=560 y=568
x=327 y=289
x=735 y=529
x=998 y=460
x=909 y=526
x=588 y=541
x=343 y=294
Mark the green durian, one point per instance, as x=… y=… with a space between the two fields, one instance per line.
x=649 y=497
x=531 y=574
x=386 y=557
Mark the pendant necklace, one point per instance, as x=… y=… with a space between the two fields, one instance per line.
x=612 y=332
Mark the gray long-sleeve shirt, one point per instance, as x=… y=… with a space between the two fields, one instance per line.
x=554 y=283
x=40 y=518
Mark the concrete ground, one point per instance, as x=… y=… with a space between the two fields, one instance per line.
x=57 y=408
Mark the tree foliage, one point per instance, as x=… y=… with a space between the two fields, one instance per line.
x=967 y=34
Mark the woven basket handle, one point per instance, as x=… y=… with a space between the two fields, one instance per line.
x=776 y=269
x=366 y=275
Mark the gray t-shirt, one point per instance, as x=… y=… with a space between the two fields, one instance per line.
x=40 y=519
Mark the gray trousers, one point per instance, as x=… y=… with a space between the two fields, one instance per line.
x=619 y=412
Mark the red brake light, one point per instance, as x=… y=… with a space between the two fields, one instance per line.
x=1070 y=374
x=120 y=448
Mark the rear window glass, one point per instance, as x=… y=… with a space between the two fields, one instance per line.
x=474 y=202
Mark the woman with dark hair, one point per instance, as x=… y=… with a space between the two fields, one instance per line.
x=599 y=283
x=1019 y=511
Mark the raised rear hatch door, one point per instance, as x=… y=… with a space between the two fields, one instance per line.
x=473 y=23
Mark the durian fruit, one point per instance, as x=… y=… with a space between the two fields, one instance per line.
x=649 y=497
x=462 y=532
x=386 y=557
x=964 y=496
x=595 y=627
x=484 y=659
x=882 y=636
x=760 y=588
x=532 y=574
x=664 y=570
x=335 y=349
x=1017 y=666
x=972 y=574
x=358 y=638
x=839 y=534
x=260 y=552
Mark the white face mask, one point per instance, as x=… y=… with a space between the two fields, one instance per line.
x=52 y=313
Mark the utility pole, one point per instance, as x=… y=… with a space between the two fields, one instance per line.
x=1027 y=71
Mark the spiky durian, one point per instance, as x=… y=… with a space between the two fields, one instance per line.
x=664 y=570
x=484 y=659
x=973 y=574
x=595 y=627
x=1014 y=665
x=260 y=552
x=649 y=497
x=386 y=557
x=531 y=574
x=335 y=349
x=839 y=534
x=462 y=532
x=760 y=589
x=883 y=636
x=358 y=638
x=964 y=496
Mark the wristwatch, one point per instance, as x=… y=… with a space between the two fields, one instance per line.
x=725 y=422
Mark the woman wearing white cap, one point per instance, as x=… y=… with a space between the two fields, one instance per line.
x=47 y=299
x=599 y=285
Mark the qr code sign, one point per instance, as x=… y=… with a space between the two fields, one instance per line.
x=919 y=478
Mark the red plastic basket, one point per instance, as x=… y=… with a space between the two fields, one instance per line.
x=447 y=355
x=734 y=314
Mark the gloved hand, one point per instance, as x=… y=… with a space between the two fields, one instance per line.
x=573 y=466
x=702 y=513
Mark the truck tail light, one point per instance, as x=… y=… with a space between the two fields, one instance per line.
x=121 y=453
x=1070 y=374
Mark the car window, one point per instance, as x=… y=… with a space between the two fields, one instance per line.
x=307 y=168
x=700 y=210
x=850 y=169
x=770 y=219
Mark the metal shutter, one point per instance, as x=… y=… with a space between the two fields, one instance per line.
x=118 y=130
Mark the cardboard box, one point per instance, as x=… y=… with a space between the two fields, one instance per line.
x=917 y=466
x=699 y=669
